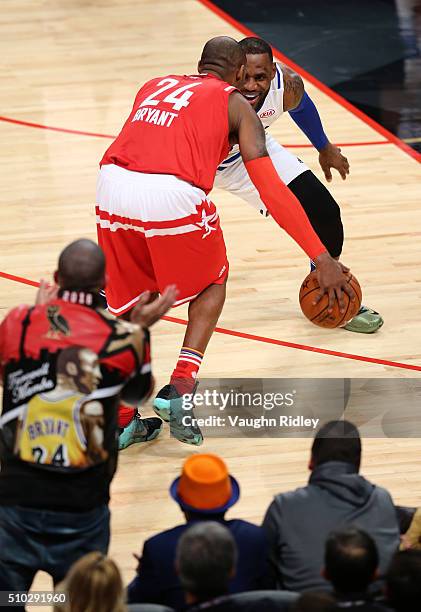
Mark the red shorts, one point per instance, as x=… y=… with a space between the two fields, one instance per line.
x=156 y=230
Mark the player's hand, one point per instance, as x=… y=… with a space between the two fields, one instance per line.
x=45 y=293
x=331 y=275
x=146 y=314
x=331 y=157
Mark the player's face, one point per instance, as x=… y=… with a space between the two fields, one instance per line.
x=259 y=74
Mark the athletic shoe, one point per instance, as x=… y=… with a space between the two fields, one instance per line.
x=139 y=430
x=162 y=402
x=367 y=321
x=168 y=404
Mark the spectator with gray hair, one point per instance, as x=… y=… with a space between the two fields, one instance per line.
x=205 y=561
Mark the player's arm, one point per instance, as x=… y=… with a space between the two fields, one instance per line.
x=304 y=113
x=282 y=204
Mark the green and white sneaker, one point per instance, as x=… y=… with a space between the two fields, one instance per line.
x=168 y=404
x=367 y=321
x=139 y=430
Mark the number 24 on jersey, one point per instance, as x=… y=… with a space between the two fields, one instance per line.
x=178 y=99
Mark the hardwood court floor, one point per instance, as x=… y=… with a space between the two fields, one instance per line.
x=77 y=65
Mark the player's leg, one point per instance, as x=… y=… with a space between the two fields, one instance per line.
x=323 y=212
x=204 y=313
x=129 y=273
x=132 y=428
x=194 y=258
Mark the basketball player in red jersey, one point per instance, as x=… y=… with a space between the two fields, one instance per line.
x=155 y=222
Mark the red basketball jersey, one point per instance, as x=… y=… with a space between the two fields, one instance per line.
x=179 y=126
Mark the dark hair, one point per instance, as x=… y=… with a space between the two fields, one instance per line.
x=314 y=602
x=337 y=441
x=403 y=581
x=351 y=559
x=256 y=46
x=206 y=557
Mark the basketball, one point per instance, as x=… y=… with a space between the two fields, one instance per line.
x=318 y=314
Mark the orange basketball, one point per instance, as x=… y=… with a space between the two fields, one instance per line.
x=319 y=314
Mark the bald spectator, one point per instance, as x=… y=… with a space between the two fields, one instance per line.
x=64 y=366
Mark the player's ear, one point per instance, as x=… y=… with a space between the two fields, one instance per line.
x=241 y=75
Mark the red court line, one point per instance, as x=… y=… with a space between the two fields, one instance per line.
x=305 y=347
x=332 y=94
x=97 y=135
x=264 y=339
x=19 y=279
x=54 y=129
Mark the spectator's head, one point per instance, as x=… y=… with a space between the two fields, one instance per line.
x=351 y=560
x=94 y=583
x=314 y=602
x=81 y=267
x=205 y=561
x=336 y=441
x=205 y=490
x=224 y=56
x=403 y=581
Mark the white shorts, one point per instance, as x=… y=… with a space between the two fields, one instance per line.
x=235 y=179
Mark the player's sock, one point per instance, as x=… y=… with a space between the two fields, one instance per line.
x=185 y=373
x=125 y=415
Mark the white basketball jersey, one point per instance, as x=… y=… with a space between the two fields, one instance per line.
x=272 y=108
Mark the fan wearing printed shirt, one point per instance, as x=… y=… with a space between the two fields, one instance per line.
x=272 y=89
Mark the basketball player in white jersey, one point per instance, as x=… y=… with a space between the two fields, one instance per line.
x=271 y=90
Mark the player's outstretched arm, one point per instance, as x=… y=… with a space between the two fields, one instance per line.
x=304 y=113
x=282 y=204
